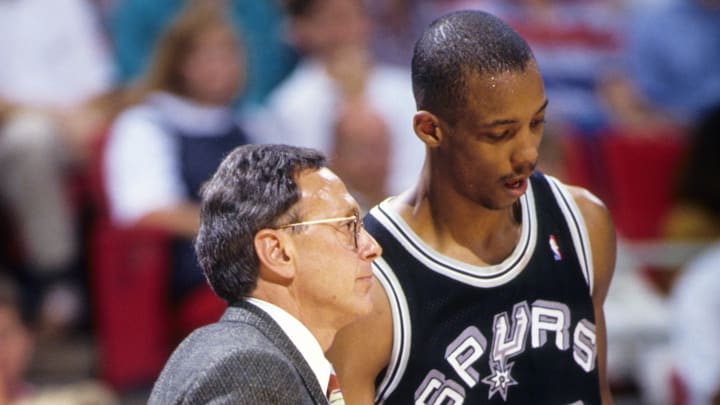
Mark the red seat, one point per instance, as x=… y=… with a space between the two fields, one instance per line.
x=640 y=171
x=678 y=389
x=578 y=168
x=129 y=278
x=137 y=327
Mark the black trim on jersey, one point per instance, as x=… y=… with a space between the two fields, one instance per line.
x=398 y=328
x=579 y=230
x=423 y=251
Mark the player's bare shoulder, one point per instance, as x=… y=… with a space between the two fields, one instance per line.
x=602 y=235
x=596 y=215
x=587 y=201
x=593 y=209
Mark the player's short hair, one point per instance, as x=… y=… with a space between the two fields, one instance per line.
x=455 y=46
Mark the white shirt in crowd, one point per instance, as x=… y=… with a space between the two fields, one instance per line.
x=302 y=109
x=142 y=167
x=695 y=330
x=52 y=53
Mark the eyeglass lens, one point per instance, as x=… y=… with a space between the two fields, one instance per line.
x=357 y=227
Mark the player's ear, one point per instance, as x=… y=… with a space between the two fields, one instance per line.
x=274 y=249
x=427 y=128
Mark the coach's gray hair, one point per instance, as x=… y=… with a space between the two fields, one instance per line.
x=253 y=188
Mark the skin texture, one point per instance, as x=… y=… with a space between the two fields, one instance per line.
x=314 y=272
x=474 y=173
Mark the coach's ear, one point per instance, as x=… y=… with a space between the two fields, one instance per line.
x=274 y=250
x=427 y=128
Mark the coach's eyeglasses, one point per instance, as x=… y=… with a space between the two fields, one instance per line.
x=353 y=223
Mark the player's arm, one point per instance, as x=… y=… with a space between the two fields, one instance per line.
x=601 y=232
x=362 y=349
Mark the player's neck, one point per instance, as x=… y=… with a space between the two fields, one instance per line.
x=459 y=228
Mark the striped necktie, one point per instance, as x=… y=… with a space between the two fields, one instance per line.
x=335 y=396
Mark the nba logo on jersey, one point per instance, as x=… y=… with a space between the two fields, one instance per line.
x=555 y=248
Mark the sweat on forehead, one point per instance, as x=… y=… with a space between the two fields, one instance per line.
x=323 y=186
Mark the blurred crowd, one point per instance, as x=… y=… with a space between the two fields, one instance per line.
x=114 y=112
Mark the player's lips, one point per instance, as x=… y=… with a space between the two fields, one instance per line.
x=516 y=185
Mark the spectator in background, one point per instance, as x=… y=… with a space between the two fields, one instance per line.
x=54 y=67
x=695 y=215
x=164 y=147
x=16 y=344
x=396 y=26
x=338 y=95
x=672 y=70
x=135 y=26
x=695 y=305
x=652 y=325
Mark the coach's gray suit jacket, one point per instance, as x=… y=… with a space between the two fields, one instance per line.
x=245 y=358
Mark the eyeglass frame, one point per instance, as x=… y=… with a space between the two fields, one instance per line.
x=355 y=217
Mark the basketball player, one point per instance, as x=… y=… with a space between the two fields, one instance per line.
x=493 y=275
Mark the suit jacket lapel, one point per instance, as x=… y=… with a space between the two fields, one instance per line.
x=245 y=312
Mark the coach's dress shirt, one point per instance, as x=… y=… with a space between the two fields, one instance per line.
x=301 y=337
